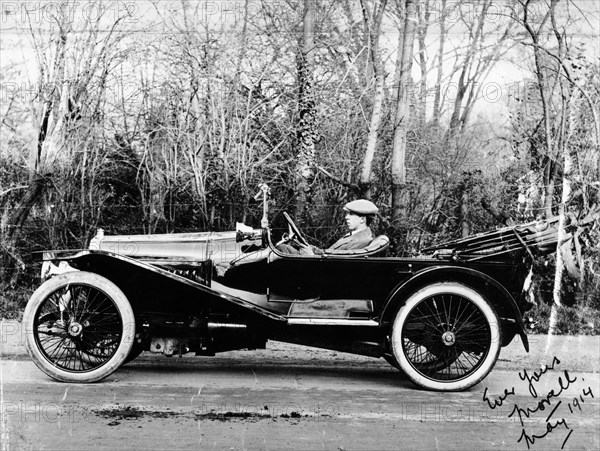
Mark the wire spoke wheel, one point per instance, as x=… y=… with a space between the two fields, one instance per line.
x=446 y=337
x=80 y=327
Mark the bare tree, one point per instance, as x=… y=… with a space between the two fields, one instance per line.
x=563 y=141
x=73 y=59
x=480 y=57
x=545 y=91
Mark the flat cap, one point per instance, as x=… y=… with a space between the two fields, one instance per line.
x=361 y=207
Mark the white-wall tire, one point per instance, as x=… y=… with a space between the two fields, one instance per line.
x=79 y=327
x=446 y=337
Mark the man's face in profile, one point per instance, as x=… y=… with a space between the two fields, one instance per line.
x=354 y=221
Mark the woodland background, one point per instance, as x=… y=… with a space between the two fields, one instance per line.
x=455 y=117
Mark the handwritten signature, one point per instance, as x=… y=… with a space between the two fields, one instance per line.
x=564 y=381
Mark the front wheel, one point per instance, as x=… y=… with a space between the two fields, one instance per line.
x=79 y=327
x=446 y=337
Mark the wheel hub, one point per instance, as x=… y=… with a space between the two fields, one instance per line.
x=75 y=329
x=448 y=338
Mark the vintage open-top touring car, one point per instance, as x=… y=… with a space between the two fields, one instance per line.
x=441 y=317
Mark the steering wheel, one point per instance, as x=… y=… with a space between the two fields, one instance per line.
x=294 y=232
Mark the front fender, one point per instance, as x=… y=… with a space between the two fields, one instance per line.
x=497 y=294
x=152 y=288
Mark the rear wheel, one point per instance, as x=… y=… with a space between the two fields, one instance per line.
x=446 y=337
x=79 y=327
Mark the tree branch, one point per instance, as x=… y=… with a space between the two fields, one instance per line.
x=13 y=189
x=336 y=179
x=501 y=216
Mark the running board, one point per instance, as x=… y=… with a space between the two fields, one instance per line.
x=331 y=322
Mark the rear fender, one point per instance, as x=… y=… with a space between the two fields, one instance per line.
x=494 y=292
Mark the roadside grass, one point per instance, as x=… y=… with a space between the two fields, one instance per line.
x=576 y=320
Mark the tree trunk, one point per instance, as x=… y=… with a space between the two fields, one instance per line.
x=373 y=25
x=12 y=228
x=306 y=108
x=560 y=261
x=437 y=100
x=465 y=229
x=424 y=14
x=543 y=88
x=402 y=110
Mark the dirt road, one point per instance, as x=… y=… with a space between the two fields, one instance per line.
x=291 y=397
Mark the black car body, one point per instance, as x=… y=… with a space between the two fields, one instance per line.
x=441 y=317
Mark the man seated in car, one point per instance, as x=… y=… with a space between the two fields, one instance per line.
x=359 y=216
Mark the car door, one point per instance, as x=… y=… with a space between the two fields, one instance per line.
x=294 y=278
x=362 y=283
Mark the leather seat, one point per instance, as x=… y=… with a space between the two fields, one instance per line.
x=379 y=243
